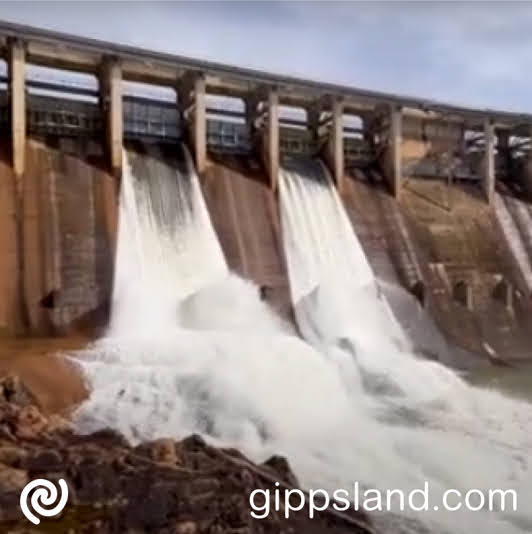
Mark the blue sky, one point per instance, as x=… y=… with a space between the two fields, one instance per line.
x=477 y=53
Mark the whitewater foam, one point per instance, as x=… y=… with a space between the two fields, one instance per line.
x=201 y=353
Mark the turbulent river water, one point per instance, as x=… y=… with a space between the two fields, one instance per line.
x=192 y=348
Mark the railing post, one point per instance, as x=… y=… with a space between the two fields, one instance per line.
x=111 y=98
x=17 y=98
x=489 y=160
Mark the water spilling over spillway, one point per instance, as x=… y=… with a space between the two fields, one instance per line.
x=166 y=247
x=193 y=349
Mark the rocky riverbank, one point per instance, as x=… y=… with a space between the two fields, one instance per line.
x=164 y=486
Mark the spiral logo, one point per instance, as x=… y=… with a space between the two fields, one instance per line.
x=45 y=494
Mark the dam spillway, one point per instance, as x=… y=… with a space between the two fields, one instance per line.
x=296 y=271
x=61 y=233
x=223 y=366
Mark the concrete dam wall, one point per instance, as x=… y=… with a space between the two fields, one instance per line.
x=245 y=215
x=61 y=279
x=438 y=195
x=432 y=243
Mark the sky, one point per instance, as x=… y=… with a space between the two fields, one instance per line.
x=471 y=53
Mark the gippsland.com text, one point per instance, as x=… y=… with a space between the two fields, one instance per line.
x=263 y=502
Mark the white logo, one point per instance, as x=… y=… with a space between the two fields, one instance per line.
x=46 y=493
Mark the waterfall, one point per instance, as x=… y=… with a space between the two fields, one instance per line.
x=166 y=248
x=421 y=419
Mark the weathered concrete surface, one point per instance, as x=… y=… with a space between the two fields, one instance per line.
x=111 y=84
x=379 y=225
x=458 y=242
x=245 y=216
x=69 y=221
x=10 y=317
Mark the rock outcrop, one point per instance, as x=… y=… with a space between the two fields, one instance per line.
x=164 y=486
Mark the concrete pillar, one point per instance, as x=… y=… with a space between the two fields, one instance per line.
x=193 y=109
x=313 y=122
x=528 y=165
x=271 y=139
x=111 y=95
x=395 y=151
x=17 y=96
x=503 y=152
x=252 y=112
x=199 y=123
x=489 y=161
x=335 y=145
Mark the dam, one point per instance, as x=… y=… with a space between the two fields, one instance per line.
x=437 y=194
x=262 y=265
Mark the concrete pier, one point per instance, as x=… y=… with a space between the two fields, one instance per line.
x=394 y=150
x=111 y=99
x=489 y=161
x=191 y=95
x=199 y=124
x=335 y=145
x=17 y=98
x=271 y=138
x=528 y=163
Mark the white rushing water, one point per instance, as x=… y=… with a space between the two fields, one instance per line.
x=192 y=348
